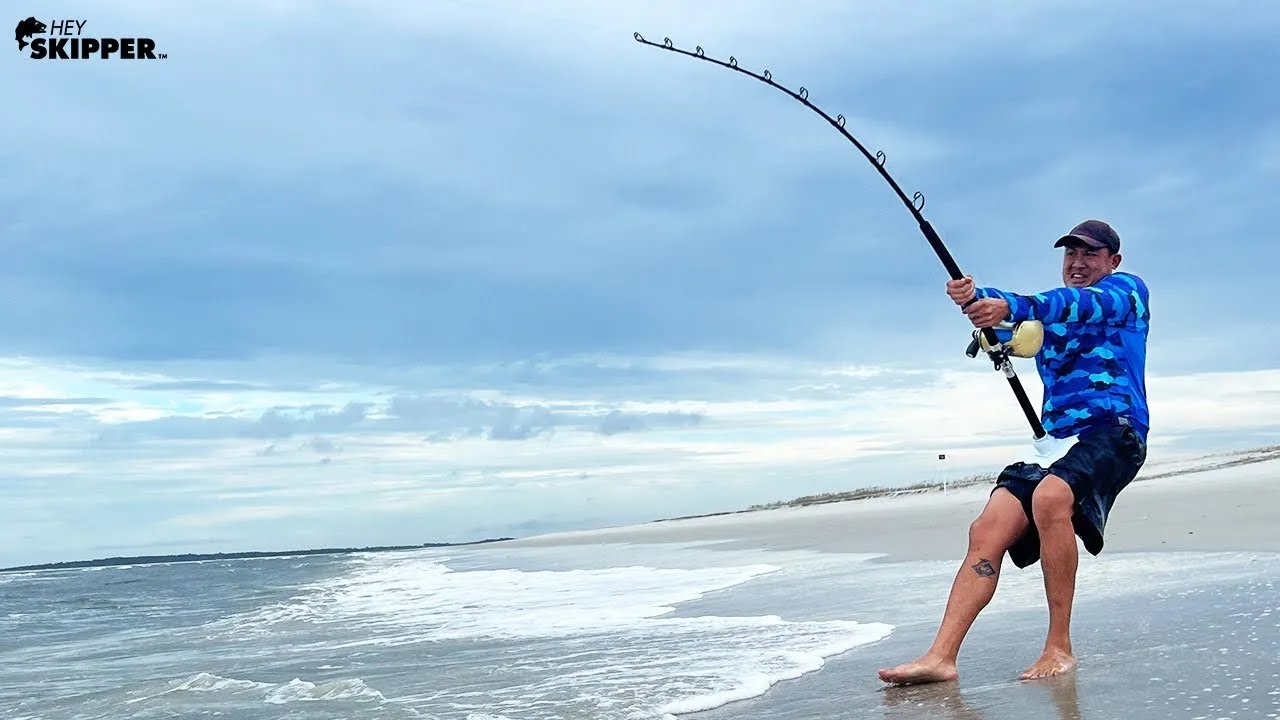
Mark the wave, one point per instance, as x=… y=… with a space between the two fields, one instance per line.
x=296 y=690
x=603 y=643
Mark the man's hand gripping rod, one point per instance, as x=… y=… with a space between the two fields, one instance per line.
x=998 y=353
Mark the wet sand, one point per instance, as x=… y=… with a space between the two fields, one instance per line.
x=1206 y=651
x=1202 y=643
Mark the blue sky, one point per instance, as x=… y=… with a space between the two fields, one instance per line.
x=345 y=274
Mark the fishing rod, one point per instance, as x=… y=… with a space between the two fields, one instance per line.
x=996 y=350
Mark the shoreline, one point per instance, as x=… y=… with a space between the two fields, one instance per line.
x=1220 y=502
x=879 y=496
x=245 y=555
x=1191 y=555
x=1242 y=457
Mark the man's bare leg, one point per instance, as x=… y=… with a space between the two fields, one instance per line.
x=1052 y=507
x=999 y=525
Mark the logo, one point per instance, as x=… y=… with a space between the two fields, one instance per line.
x=27 y=28
x=66 y=41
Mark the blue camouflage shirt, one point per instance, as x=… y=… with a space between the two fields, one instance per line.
x=1093 y=360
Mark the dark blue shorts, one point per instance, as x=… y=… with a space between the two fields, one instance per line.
x=1103 y=462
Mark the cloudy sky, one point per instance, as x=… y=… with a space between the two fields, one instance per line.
x=399 y=272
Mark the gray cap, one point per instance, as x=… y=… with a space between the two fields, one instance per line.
x=1094 y=233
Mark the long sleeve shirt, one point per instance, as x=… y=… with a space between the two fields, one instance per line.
x=1093 y=360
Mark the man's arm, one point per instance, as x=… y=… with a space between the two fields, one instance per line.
x=1110 y=301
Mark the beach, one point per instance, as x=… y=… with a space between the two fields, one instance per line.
x=1178 y=617
x=778 y=613
x=1219 y=509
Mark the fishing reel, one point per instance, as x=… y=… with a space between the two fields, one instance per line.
x=1021 y=339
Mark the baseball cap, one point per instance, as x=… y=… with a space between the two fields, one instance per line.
x=1094 y=233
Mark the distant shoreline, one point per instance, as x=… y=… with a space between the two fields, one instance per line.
x=200 y=557
x=1224 y=460
x=1204 y=463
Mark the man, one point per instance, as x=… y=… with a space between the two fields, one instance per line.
x=1092 y=362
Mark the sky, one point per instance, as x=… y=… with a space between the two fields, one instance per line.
x=345 y=274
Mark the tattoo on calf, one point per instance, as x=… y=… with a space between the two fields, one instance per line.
x=984 y=568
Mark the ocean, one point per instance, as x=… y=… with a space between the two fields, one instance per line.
x=472 y=634
x=599 y=631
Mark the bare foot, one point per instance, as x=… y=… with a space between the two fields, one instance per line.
x=924 y=670
x=1052 y=662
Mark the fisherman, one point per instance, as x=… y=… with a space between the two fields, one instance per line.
x=1092 y=361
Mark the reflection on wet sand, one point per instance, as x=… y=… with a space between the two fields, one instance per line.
x=946 y=700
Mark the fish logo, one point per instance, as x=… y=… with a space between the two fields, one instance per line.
x=27 y=28
x=65 y=39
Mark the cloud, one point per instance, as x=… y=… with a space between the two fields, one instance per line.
x=450 y=418
x=441 y=417
x=791 y=429
x=164 y=547
x=556 y=264
x=273 y=423
x=28 y=402
x=212 y=386
x=617 y=422
x=234 y=516
x=323 y=445
x=609 y=209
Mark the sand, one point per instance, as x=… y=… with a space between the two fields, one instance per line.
x=1201 y=649
x=1228 y=509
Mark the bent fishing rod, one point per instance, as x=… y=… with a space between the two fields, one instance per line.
x=996 y=350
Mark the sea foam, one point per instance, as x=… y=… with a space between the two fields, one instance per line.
x=602 y=643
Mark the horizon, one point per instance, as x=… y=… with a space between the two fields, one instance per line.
x=546 y=278
x=874 y=492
